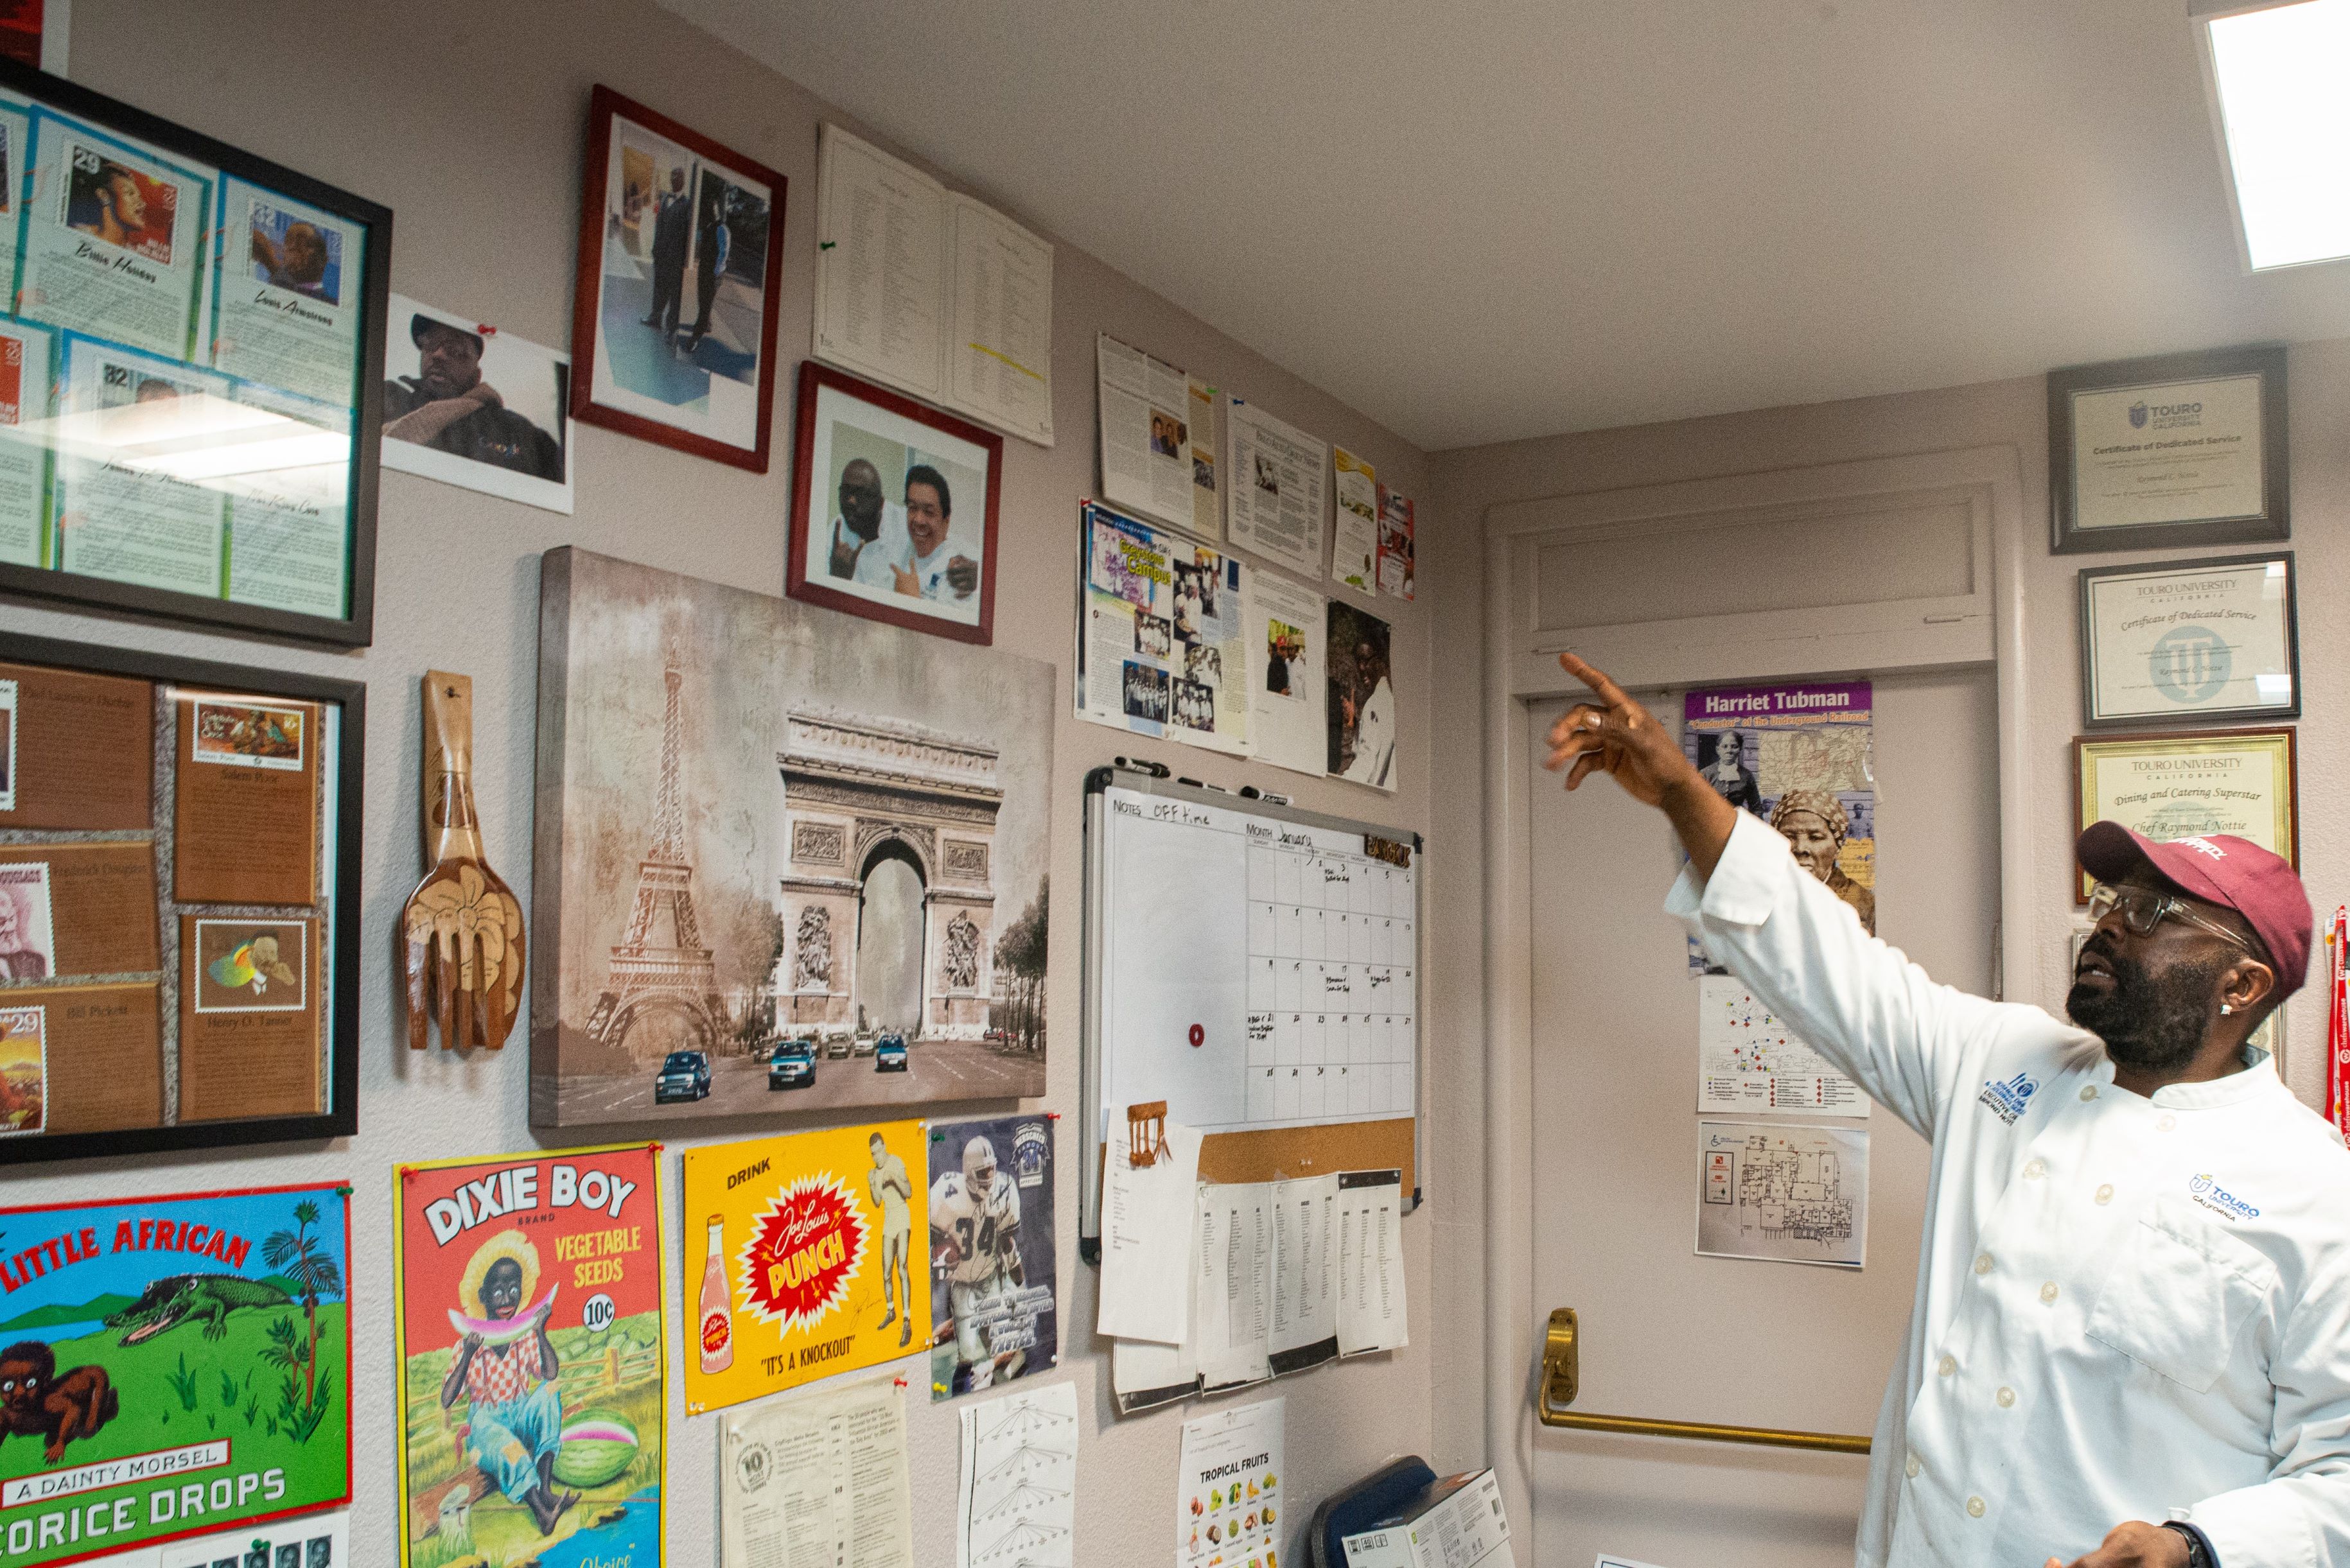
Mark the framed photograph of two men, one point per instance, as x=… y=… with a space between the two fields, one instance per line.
x=681 y=253
x=190 y=372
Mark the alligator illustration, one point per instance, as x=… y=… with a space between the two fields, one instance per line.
x=176 y=1298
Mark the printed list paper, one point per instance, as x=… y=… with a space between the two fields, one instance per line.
x=818 y=1481
x=1147 y=1222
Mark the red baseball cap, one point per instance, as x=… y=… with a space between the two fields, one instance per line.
x=2218 y=868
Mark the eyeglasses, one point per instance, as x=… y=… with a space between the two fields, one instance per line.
x=2144 y=909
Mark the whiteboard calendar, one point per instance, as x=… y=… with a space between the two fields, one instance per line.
x=1254 y=967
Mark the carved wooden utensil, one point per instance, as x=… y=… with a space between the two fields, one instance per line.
x=462 y=926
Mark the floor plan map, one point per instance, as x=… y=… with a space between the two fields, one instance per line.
x=1793 y=1194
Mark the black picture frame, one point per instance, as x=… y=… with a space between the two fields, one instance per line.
x=356 y=628
x=2088 y=576
x=341 y=980
x=2273 y=519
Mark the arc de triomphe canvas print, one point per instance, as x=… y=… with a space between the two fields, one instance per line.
x=760 y=821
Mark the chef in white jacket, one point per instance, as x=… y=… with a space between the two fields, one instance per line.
x=2130 y=1342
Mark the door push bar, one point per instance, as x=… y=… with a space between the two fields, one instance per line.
x=1562 y=1377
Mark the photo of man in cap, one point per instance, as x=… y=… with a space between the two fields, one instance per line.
x=2129 y=1345
x=447 y=406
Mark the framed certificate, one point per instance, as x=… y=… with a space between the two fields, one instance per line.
x=2187 y=448
x=190 y=372
x=2187 y=782
x=2210 y=639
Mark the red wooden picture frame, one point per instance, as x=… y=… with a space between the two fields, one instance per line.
x=805 y=481
x=605 y=107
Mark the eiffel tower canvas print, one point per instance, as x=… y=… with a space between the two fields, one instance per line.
x=765 y=830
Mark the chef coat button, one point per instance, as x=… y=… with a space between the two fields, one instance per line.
x=1982 y=1262
x=2088 y=1092
x=1909 y=1467
x=1948 y=1365
x=2006 y=1398
x=2106 y=1193
x=2167 y=1123
x=2048 y=1291
x=2036 y=1168
x=1975 y=1507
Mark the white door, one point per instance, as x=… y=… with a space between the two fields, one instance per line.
x=1665 y=1333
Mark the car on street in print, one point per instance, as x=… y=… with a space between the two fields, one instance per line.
x=863 y=1044
x=793 y=1066
x=684 y=1075
x=889 y=1053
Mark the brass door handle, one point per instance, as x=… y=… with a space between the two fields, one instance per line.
x=1562 y=1378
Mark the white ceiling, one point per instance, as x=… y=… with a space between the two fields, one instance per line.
x=1487 y=220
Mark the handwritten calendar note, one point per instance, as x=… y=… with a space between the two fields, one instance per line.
x=1749 y=1060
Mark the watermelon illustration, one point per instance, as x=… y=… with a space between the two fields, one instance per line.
x=597 y=1445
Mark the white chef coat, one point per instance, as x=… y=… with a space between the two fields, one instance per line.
x=2126 y=1306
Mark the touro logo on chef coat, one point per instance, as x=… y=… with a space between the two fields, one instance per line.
x=2007 y=1101
x=2218 y=1200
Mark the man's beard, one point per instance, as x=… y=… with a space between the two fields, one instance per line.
x=2147 y=1022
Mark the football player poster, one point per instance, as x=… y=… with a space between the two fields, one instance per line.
x=799 y=1259
x=533 y=1387
x=992 y=1298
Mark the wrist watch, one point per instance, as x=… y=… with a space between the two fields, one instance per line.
x=2198 y=1554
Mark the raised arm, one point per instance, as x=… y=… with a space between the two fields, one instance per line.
x=1798 y=945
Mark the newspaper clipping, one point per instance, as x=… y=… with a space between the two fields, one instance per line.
x=1162 y=653
x=1275 y=499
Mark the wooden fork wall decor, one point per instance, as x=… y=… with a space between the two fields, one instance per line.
x=462 y=927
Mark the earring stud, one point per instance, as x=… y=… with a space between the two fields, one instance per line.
x=2225 y=1007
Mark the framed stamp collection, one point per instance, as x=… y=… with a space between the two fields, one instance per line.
x=179 y=866
x=190 y=372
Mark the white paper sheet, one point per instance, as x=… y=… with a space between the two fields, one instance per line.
x=881 y=264
x=932 y=293
x=1232 y=1295
x=1303 y=1328
x=1748 y=1060
x=1146 y=433
x=1286 y=678
x=818 y=1481
x=1000 y=355
x=1788 y=1194
x=1231 y=1497
x=1371 y=1314
x=1354 y=553
x=1017 y=1499
x=1148 y=1220
x=1274 y=501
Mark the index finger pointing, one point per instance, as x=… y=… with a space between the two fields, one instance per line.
x=1594 y=678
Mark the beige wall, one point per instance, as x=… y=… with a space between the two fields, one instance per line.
x=2013 y=413
x=466 y=118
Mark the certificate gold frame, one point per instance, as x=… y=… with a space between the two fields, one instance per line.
x=2180 y=468
x=2180 y=816
x=2190 y=651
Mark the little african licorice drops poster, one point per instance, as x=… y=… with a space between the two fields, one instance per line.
x=805 y=1256
x=171 y=1365
x=532 y=1372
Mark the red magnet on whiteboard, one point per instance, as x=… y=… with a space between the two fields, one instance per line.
x=1199 y=1036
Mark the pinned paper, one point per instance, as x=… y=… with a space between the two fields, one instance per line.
x=1145 y=1226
